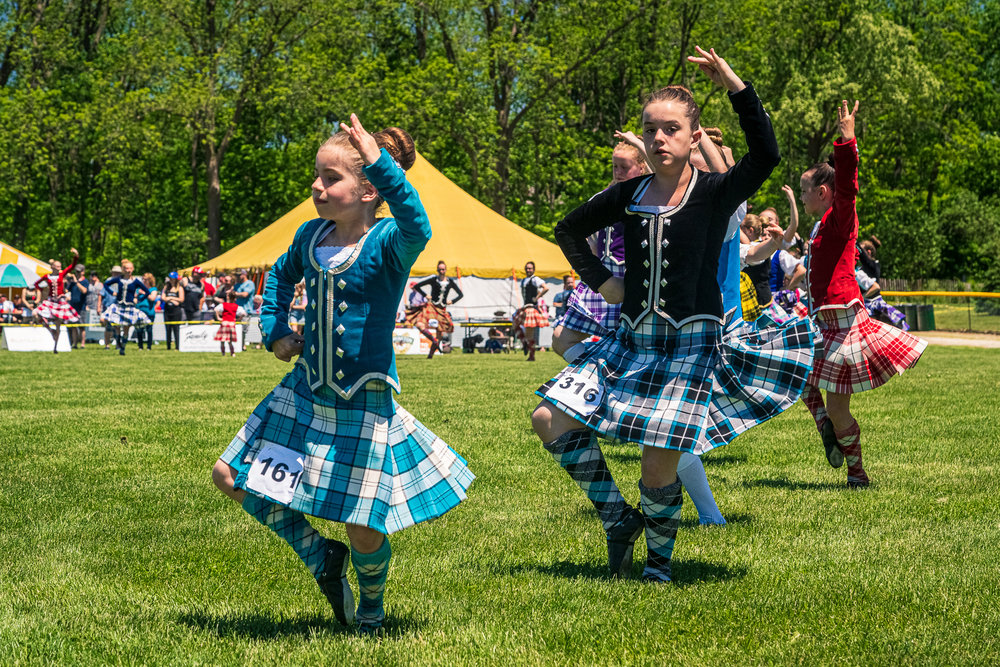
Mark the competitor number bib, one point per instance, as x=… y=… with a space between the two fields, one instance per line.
x=276 y=472
x=579 y=392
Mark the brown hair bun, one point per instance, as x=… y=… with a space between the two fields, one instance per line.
x=399 y=143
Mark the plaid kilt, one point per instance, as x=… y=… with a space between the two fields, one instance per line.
x=588 y=312
x=419 y=316
x=748 y=298
x=778 y=314
x=530 y=316
x=692 y=389
x=121 y=314
x=52 y=309
x=877 y=307
x=860 y=353
x=226 y=332
x=367 y=460
x=791 y=303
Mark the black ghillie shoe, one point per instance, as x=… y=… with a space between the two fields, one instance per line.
x=333 y=582
x=621 y=542
x=834 y=455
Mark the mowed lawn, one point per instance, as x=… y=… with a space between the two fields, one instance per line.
x=116 y=548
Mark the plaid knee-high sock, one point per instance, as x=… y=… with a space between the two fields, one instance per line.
x=292 y=527
x=372 y=571
x=850 y=443
x=661 y=508
x=813 y=398
x=577 y=452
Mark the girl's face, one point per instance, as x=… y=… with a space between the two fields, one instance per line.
x=667 y=134
x=127 y=269
x=337 y=190
x=623 y=167
x=442 y=269
x=750 y=232
x=813 y=199
x=768 y=217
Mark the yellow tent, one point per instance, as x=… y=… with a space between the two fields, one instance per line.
x=11 y=255
x=469 y=236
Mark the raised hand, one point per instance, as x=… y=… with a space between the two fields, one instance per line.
x=717 y=69
x=845 y=119
x=789 y=193
x=630 y=138
x=361 y=140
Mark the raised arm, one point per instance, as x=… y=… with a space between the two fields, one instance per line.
x=762 y=156
x=793 y=216
x=630 y=138
x=845 y=170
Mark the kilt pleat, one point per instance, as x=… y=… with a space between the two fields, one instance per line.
x=692 y=389
x=530 y=316
x=121 y=314
x=420 y=317
x=367 y=460
x=588 y=312
x=226 y=332
x=860 y=353
x=52 y=309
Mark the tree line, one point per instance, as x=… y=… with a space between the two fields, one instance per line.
x=168 y=132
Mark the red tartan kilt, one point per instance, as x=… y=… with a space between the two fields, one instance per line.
x=57 y=310
x=530 y=317
x=860 y=353
x=419 y=316
x=226 y=332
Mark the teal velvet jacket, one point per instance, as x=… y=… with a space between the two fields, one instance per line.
x=352 y=307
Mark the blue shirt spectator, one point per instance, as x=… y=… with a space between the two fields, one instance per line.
x=245 y=290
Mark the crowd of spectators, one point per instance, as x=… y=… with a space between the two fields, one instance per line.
x=181 y=299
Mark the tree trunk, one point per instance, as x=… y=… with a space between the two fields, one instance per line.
x=213 y=196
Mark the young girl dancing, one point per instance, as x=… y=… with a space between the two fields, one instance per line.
x=330 y=441
x=54 y=309
x=435 y=307
x=859 y=353
x=530 y=317
x=666 y=380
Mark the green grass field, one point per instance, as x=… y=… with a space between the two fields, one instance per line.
x=115 y=548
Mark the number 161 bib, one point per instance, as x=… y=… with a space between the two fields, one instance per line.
x=276 y=472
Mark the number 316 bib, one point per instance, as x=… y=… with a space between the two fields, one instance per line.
x=577 y=391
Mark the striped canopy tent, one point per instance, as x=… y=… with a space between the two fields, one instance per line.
x=11 y=255
x=484 y=249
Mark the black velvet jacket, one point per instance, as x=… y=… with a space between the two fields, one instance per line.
x=672 y=257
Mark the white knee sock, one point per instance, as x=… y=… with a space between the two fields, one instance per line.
x=692 y=475
x=573 y=352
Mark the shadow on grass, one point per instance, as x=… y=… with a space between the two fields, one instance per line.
x=722 y=460
x=731 y=519
x=263 y=626
x=686 y=572
x=794 y=485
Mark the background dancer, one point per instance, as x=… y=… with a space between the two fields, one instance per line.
x=434 y=306
x=53 y=308
x=859 y=353
x=124 y=313
x=530 y=317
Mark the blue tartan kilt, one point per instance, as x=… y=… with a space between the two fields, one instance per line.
x=694 y=388
x=588 y=312
x=367 y=461
x=121 y=314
